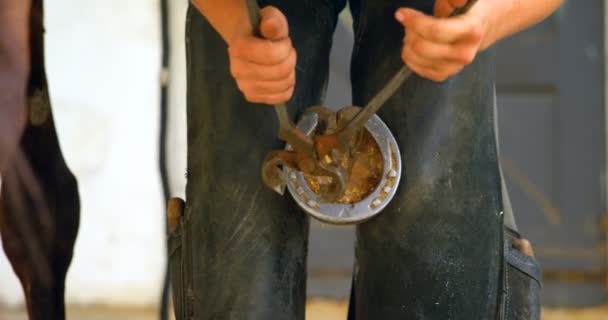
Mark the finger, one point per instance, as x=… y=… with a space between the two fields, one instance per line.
x=435 y=75
x=267 y=87
x=432 y=70
x=446 y=30
x=273 y=24
x=427 y=73
x=260 y=51
x=245 y=70
x=415 y=62
x=271 y=98
x=455 y=53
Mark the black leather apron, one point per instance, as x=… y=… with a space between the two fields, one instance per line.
x=436 y=252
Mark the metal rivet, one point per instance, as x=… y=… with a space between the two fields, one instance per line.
x=376 y=202
x=387 y=189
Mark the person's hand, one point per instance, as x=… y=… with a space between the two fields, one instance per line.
x=437 y=47
x=264 y=68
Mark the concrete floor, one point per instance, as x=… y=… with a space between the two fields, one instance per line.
x=316 y=310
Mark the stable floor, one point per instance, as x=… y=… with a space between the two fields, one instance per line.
x=316 y=310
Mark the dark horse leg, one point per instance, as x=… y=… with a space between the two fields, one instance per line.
x=14 y=72
x=39 y=204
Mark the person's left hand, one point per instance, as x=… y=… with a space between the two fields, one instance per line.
x=437 y=47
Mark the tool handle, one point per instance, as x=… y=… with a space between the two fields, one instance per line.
x=287 y=130
x=254 y=16
x=389 y=89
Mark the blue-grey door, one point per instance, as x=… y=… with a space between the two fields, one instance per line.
x=552 y=129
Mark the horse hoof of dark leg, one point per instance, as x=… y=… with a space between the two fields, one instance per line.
x=39 y=218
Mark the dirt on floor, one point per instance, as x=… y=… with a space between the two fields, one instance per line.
x=316 y=310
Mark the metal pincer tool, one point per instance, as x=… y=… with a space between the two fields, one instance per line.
x=331 y=155
x=303 y=157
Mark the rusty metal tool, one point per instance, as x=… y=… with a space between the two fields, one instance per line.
x=342 y=139
x=320 y=155
x=303 y=157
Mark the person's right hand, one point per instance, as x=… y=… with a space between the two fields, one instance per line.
x=264 y=68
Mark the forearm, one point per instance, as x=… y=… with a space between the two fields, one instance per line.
x=228 y=17
x=506 y=17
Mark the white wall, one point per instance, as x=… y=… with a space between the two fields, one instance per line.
x=103 y=65
x=176 y=139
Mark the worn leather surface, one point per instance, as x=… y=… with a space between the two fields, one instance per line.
x=434 y=253
x=245 y=243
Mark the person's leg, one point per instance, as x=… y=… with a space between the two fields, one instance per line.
x=244 y=245
x=435 y=252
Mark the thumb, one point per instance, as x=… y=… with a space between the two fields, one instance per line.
x=273 y=25
x=405 y=16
